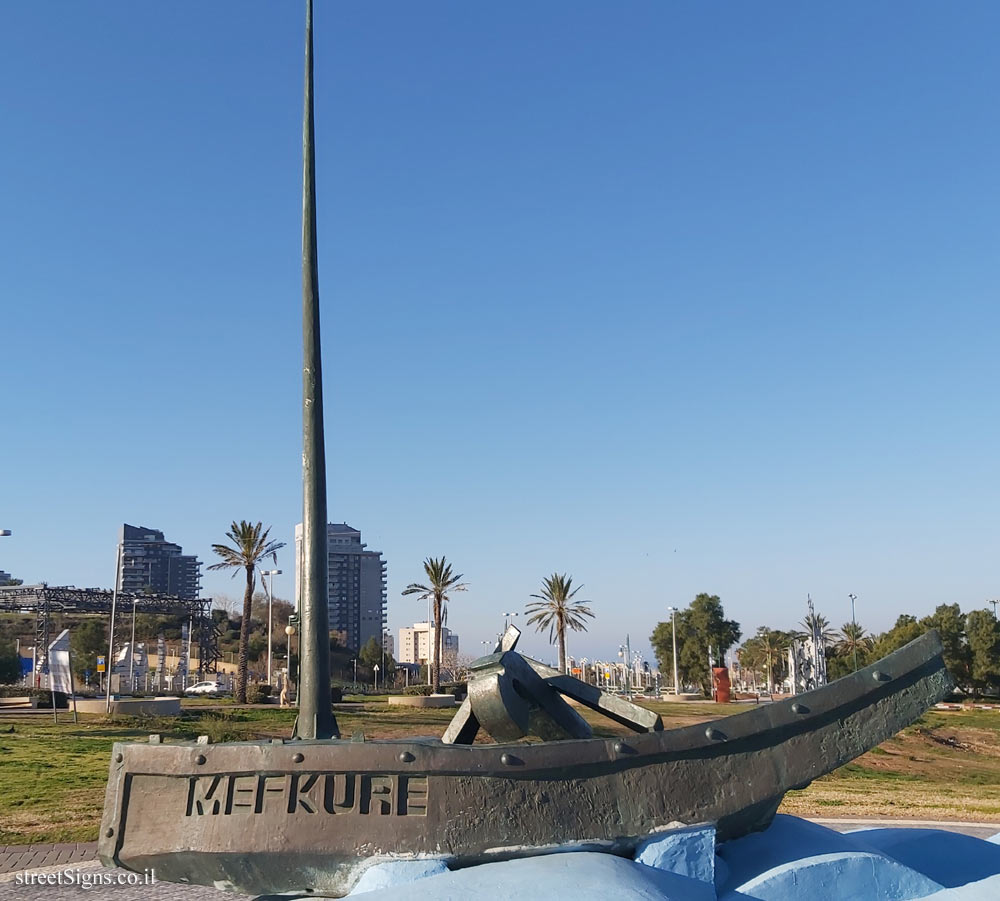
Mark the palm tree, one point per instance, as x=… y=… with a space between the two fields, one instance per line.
x=827 y=635
x=250 y=546
x=556 y=609
x=854 y=641
x=771 y=645
x=441 y=581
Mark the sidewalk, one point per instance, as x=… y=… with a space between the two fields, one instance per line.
x=15 y=858
x=81 y=860
x=76 y=881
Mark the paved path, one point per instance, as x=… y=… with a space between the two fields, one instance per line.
x=77 y=866
x=71 y=882
x=28 y=857
x=979 y=830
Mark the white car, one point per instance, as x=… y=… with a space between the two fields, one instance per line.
x=202 y=688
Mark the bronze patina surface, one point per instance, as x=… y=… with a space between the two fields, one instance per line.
x=511 y=696
x=298 y=815
x=315 y=719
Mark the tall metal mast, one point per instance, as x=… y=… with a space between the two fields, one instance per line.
x=315 y=719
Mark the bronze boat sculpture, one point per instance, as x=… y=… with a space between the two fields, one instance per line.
x=311 y=813
x=294 y=815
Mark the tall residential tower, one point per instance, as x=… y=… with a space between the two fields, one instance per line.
x=356 y=588
x=149 y=561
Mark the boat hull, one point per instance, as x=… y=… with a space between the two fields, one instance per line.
x=266 y=817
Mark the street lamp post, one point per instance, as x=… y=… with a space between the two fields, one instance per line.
x=131 y=648
x=994 y=603
x=673 y=635
x=384 y=635
x=854 y=637
x=625 y=652
x=507 y=619
x=269 y=585
x=290 y=631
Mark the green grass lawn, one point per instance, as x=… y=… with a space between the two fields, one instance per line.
x=52 y=776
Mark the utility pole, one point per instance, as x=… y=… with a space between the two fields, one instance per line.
x=269 y=585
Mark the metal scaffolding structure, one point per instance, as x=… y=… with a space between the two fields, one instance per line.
x=42 y=601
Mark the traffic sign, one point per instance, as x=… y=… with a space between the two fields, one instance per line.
x=100 y=664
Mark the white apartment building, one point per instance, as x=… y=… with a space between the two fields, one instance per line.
x=416 y=644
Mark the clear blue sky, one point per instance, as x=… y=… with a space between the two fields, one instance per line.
x=673 y=297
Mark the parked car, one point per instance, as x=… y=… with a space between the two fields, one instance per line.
x=203 y=688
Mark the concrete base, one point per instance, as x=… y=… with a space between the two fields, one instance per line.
x=422 y=700
x=131 y=706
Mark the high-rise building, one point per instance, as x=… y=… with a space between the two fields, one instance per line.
x=356 y=588
x=416 y=644
x=151 y=562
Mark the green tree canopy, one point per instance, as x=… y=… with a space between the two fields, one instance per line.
x=10 y=663
x=950 y=624
x=87 y=642
x=372 y=654
x=902 y=633
x=982 y=632
x=700 y=626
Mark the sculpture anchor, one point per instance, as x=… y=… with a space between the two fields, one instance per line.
x=511 y=697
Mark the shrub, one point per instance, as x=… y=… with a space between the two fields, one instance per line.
x=258 y=693
x=458 y=689
x=15 y=691
x=44 y=698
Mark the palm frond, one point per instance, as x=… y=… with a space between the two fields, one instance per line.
x=249 y=546
x=554 y=608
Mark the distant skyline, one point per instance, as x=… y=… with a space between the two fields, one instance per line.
x=670 y=297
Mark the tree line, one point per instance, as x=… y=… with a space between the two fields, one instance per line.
x=971 y=644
